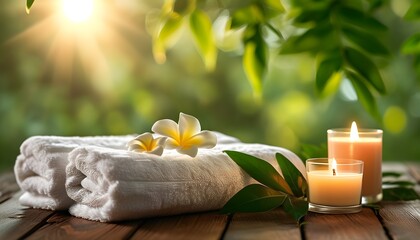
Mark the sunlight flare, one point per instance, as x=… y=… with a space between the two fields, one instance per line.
x=78 y=11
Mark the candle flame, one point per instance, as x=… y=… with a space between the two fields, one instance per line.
x=354 y=134
x=334 y=167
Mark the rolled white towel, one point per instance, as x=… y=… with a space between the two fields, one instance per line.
x=40 y=167
x=114 y=185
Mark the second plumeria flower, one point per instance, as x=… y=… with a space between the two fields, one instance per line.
x=147 y=143
x=186 y=136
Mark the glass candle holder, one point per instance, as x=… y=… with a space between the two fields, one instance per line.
x=366 y=145
x=335 y=185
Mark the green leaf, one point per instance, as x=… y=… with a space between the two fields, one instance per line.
x=413 y=12
x=184 y=7
x=260 y=170
x=170 y=26
x=312 y=15
x=399 y=194
x=254 y=198
x=291 y=174
x=359 y=19
x=29 y=4
x=313 y=151
x=365 y=67
x=314 y=40
x=399 y=183
x=364 y=95
x=201 y=28
x=365 y=40
x=276 y=5
x=412 y=45
x=325 y=70
x=391 y=174
x=255 y=58
x=296 y=207
x=249 y=15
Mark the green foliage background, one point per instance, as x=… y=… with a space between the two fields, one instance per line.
x=290 y=110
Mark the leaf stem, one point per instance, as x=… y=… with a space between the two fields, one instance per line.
x=277 y=32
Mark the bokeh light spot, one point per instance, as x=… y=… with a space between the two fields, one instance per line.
x=395 y=119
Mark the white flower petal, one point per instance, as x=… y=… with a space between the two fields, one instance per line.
x=188 y=126
x=204 y=139
x=171 y=144
x=192 y=151
x=145 y=138
x=157 y=151
x=166 y=127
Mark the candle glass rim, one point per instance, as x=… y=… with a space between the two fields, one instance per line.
x=360 y=131
x=350 y=162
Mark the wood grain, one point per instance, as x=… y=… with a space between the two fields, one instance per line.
x=401 y=219
x=267 y=225
x=363 y=225
x=192 y=226
x=414 y=170
x=63 y=226
x=8 y=186
x=16 y=221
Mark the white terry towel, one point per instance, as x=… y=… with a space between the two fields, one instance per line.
x=113 y=185
x=40 y=167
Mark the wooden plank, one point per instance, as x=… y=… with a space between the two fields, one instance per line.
x=414 y=170
x=363 y=225
x=267 y=225
x=16 y=221
x=401 y=219
x=192 y=226
x=8 y=186
x=63 y=226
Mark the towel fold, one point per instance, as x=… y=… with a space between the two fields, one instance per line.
x=114 y=185
x=40 y=167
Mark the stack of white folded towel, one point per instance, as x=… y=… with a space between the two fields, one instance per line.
x=96 y=178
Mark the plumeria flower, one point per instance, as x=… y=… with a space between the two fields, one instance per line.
x=147 y=143
x=186 y=136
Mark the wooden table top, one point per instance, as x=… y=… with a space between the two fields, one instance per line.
x=394 y=220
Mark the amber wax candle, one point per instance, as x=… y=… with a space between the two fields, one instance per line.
x=365 y=145
x=335 y=185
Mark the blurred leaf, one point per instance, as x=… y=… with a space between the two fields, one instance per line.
x=359 y=19
x=250 y=15
x=29 y=4
x=296 y=207
x=399 y=194
x=399 y=183
x=255 y=58
x=315 y=15
x=184 y=7
x=313 y=151
x=291 y=174
x=364 y=95
x=391 y=174
x=325 y=70
x=366 y=41
x=170 y=26
x=365 y=67
x=375 y=4
x=413 y=12
x=260 y=170
x=276 y=5
x=201 y=28
x=412 y=45
x=254 y=198
x=314 y=40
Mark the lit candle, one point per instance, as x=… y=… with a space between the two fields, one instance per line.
x=334 y=187
x=365 y=145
